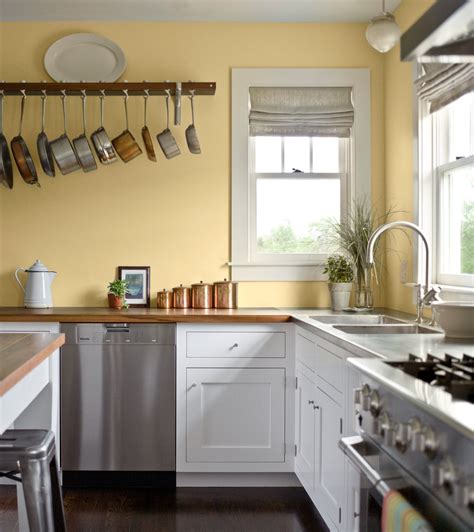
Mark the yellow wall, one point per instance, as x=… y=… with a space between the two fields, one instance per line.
x=172 y=215
x=399 y=148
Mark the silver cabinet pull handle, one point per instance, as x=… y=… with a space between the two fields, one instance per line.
x=193 y=385
x=234 y=346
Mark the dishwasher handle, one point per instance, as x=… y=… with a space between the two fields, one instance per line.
x=117 y=328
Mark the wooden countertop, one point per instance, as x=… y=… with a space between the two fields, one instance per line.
x=143 y=315
x=20 y=353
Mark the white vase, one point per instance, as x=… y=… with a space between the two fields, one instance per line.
x=340 y=295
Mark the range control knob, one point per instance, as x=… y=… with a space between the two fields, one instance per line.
x=385 y=424
x=389 y=437
x=417 y=435
x=365 y=397
x=436 y=475
x=449 y=475
x=463 y=493
x=375 y=404
x=431 y=443
x=405 y=433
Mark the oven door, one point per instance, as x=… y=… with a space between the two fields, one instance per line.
x=379 y=474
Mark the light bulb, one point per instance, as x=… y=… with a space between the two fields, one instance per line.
x=383 y=32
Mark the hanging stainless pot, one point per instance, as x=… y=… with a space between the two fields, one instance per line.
x=81 y=144
x=100 y=139
x=62 y=149
x=125 y=144
x=150 y=150
x=21 y=153
x=42 y=143
x=191 y=133
x=165 y=139
x=6 y=170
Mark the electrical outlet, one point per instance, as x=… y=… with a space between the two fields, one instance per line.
x=404 y=271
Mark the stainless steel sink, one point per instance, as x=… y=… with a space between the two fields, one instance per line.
x=386 y=329
x=356 y=319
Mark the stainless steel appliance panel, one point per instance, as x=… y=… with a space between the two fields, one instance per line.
x=118 y=398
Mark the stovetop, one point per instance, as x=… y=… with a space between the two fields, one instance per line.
x=455 y=376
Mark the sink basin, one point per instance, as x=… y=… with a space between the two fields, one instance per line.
x=385 y=329
x=357 y=319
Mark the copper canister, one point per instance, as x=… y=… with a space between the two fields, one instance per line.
x=181 y=297
x=164 y=299
x=201 y=295
x=225 y=294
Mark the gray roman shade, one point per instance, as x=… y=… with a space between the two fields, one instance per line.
x=301 y=111
x=441 y=84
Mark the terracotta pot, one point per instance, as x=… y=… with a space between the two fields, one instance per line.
x=115 y=301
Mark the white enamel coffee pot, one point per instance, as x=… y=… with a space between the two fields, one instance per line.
x=38 y=285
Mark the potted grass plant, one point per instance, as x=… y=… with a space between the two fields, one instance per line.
x=117 y=292
x=351 y=236
x=340 y=277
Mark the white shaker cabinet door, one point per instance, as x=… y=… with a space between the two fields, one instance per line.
x=329 y=466
x=305 y=431
x=235 y=415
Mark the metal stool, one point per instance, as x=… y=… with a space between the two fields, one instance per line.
x=32 y=453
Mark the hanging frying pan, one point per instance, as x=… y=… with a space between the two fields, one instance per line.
x=125 y=144
x=6 y=170
x=191 y=133
x=150 y=151
x=43 y=145
x=21 y=153
x=81 y=144
x=166 y=139
x=62 y=149
x=100 y=139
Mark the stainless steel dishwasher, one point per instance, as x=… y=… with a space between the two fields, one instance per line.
x=118 y=413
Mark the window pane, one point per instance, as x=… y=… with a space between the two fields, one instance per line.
x=292 y=214
x=461 y=127
x=296 y=153
x=457 y=221
x=325 y=154
x=268 y=154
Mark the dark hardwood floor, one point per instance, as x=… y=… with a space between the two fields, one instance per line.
x=180 y=510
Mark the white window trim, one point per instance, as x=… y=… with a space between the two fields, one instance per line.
x=425 y=190
x=359 y=185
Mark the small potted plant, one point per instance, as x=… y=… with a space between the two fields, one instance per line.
x=341 y=275
x=117 y=292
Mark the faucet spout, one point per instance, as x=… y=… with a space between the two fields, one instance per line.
x=399 y=225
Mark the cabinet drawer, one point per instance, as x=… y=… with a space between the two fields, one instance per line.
x=330 y=365
x=235 y=344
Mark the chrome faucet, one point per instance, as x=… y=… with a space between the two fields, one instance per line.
x=425 y=293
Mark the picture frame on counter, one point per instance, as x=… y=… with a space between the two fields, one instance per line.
x=138 y=278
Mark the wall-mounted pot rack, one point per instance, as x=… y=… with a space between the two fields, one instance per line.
x=111 y=89
x=177 y=89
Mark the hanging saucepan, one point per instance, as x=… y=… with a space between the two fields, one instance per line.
x=191 y=133
x=150 y=150
x=6 y=170
x=125 y=144
x=62 y=149
x=21 y=153
x=166 y=140
x=43 y=145
x=100 y=139
x=81 y=144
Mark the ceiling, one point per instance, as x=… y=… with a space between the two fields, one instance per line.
x=196 y=10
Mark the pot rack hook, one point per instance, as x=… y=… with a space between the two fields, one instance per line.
x=125 y=94
x=63 y=94
x=177 y=104
x=83 y=94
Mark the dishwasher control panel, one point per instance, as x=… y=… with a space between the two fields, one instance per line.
x=120 y=333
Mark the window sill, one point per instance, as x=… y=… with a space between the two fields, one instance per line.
x=278 y=272
x=456 y=293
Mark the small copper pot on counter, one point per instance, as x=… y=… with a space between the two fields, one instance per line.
x=164 y=299
x=181 y=297
x=201 y=295
x=225 y=294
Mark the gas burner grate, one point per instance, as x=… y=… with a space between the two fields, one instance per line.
x=454 y=374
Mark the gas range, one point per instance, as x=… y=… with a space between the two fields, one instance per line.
x=419 y=413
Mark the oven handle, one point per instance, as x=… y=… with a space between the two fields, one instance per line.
x=347 y=445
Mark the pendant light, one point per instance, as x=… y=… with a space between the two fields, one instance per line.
x=383 y=31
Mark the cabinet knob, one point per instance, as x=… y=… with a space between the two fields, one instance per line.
x=193 y=385
x=315 y=407
x=311 y=402
x=234 y=346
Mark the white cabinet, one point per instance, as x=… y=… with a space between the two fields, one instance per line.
x=235 y=399
x=235 y=415
x=305 y=431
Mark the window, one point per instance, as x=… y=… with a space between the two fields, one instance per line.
x=450 y=199
x=286 y=187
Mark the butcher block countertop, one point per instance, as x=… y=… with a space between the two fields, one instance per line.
x=144 y=315
x=20 y=353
